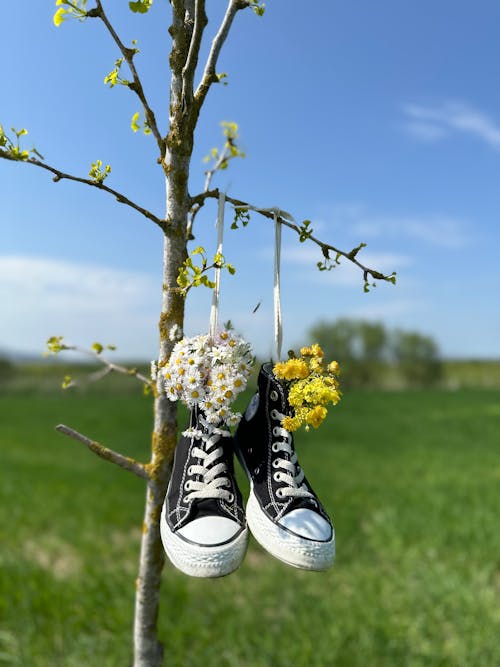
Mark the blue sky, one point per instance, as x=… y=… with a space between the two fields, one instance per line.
x=378 y=121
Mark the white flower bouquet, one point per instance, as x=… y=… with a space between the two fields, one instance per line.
x=208 y=373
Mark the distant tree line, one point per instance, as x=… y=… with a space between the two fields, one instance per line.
x=371 y=355
x=6 y=370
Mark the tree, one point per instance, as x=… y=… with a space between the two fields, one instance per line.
x=367 y=351
x=180 y=270
x=359 y=346
x=7 y=371
x=418 y=358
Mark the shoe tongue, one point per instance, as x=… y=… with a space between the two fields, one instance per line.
x=205 y=507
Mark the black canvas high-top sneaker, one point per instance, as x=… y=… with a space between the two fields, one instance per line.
x=203 y=527
x=283 y=512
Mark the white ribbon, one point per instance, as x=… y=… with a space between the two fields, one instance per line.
x=214 y=311
x=278 y=214
x=278 y=325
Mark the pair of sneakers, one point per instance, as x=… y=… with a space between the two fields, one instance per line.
x=203 y=524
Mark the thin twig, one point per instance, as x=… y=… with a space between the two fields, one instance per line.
x=224 y=156
x=60 y=175
x=199 y=200
x=136 y=85
x=124 y=462
x=209 y=73
x=109 y=366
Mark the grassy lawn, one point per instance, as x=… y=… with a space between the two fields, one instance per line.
x=411 y=479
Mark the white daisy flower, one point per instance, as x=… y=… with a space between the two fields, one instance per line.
x=175 y=333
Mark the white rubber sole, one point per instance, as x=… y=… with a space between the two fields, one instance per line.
x=202 y=561
x=293 y=550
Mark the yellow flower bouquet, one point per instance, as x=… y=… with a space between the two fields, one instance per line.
x=312 y=385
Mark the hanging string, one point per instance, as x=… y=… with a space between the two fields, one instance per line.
x=214 y=311
x=278 y=326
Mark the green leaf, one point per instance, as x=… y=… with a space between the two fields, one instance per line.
x=59 y=16
x=67 y=382
x=258 y=7
x=55 y=344
x=134 y=124
x=354 y=251
x=97 y=347
x=141 y=6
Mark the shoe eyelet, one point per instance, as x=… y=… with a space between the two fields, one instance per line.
x=279 y=493
x=190 y=470
x=230 y=498
x=275 y=431
x=187 y=485
x=275 y=447
x=273 y=395
x=256 y=470
x=276 y=463
x=274 y=414
x=277 y=477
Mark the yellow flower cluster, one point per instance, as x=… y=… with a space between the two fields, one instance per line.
x=312 y=386
x=293 y=369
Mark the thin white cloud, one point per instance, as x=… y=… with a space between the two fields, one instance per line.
x=431 y=123
x=440 y=231
x=426 y=131
x=392 y=310
x=41 y=297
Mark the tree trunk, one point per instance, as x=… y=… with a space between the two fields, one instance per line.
x=183 y=114
x=148 y=651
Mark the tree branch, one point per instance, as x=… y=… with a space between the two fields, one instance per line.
x=136 y=85
x=60 y=175
x=224 y=156
x=209 y=74
x=199 y=200
x=188 y=71
x=124 y=462
x=109 y=366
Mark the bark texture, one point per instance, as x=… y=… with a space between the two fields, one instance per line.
x=148 y=650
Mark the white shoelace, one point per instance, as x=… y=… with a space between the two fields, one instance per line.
x=288 y=471
x=212 y=483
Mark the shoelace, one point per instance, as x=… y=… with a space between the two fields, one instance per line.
x=288 y=470
x=212 y=483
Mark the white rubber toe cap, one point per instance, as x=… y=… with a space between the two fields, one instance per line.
x=210 y=530
x=306 y=523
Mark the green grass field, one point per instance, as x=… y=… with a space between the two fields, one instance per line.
x=411 y=479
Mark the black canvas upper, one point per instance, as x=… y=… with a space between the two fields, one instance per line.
x=254 y=438
x=180 y=511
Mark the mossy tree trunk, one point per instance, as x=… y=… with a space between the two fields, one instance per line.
x=148 y=651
